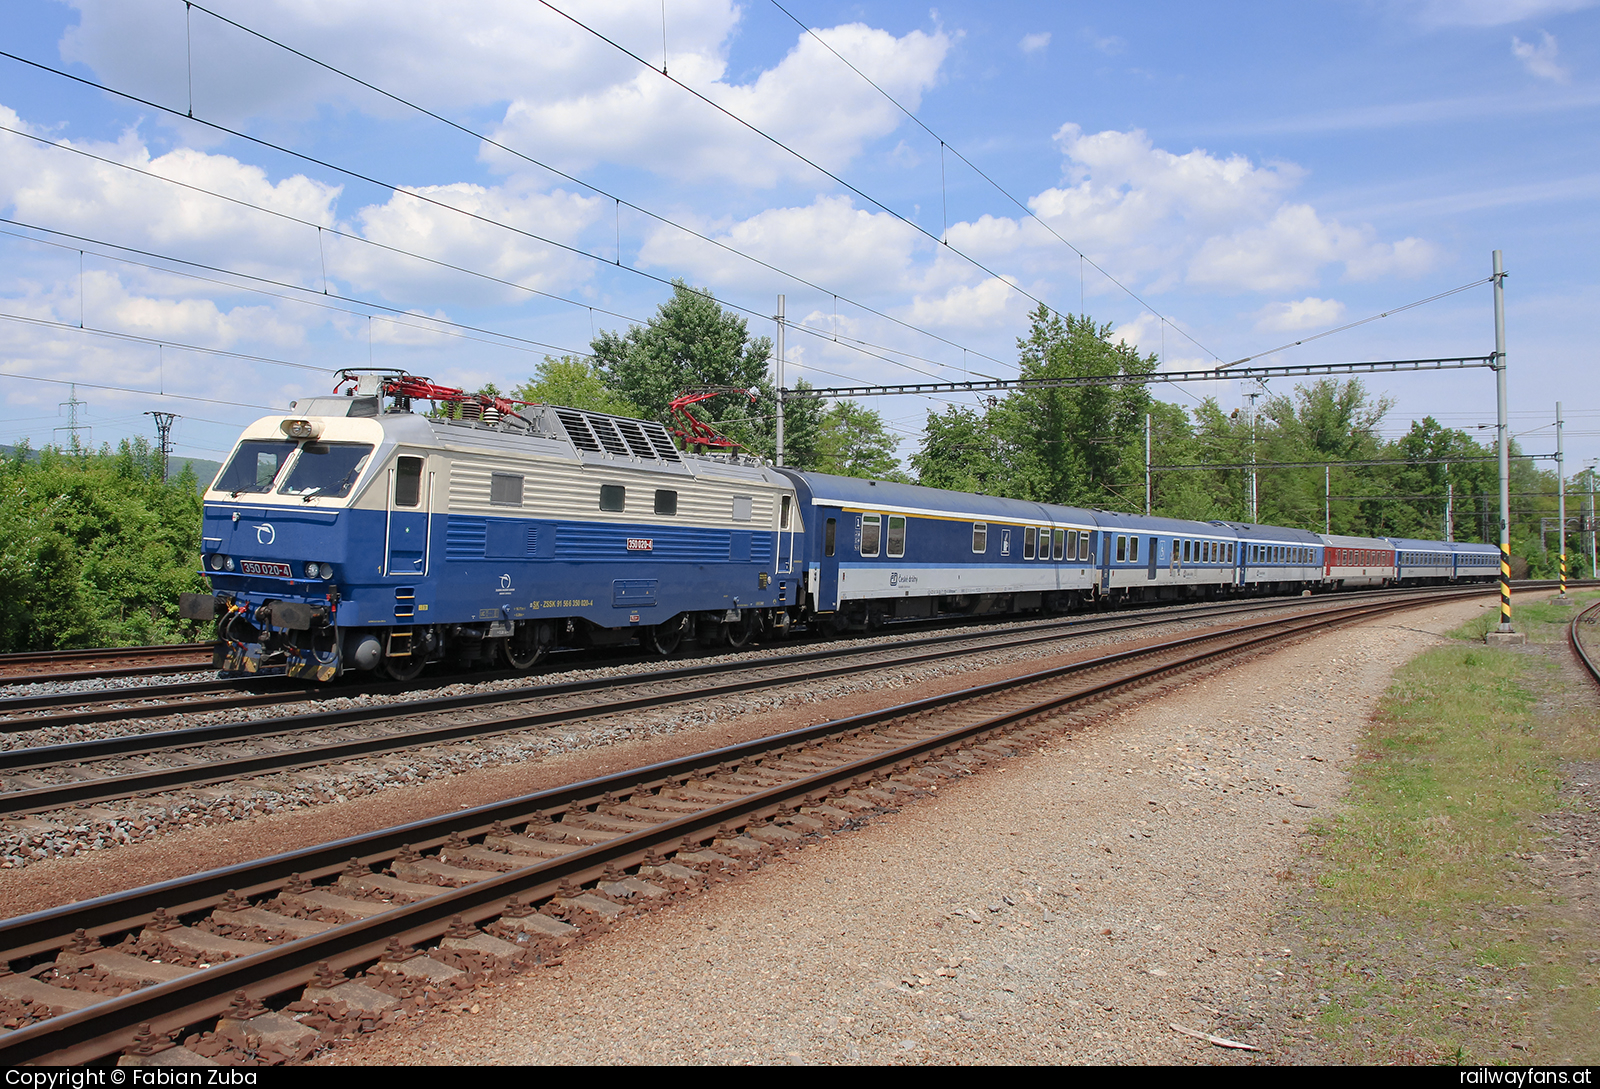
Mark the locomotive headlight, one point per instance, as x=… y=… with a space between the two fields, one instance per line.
x=227 y=563
x=313 y=570
x=300 y=429
x=327 y=571
x=214 y=561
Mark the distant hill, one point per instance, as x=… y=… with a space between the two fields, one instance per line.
x=204 y=471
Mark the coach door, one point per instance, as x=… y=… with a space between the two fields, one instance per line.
x=786 y=521
x=405 y=545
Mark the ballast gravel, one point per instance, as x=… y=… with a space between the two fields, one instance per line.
x=1071 y=904
x=90 y=830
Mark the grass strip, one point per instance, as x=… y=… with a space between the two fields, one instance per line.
x=1448 y=920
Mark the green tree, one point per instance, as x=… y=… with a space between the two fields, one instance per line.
x=574 y=383
x=692 y=341
x=1082 y=445
x=961 y=452
x=94 y=548
x=853 y=442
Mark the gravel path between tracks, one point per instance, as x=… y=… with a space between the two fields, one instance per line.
x=1068 y=905
x=102 y=848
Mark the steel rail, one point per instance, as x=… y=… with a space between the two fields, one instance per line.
x=1588 y=618
x=107 y=1026
x=758 y=674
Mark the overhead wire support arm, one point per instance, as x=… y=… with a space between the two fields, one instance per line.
x=1303 y=370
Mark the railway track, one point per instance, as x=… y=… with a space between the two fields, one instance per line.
x=60 y=666
x=1583 y=632
x=428 y=904
x=187 y=657
x=44 y=778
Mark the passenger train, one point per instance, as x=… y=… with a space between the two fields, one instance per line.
x=354 y=534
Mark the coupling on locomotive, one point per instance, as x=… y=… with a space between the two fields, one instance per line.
x=356 y=534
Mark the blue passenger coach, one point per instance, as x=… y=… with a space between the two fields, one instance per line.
x=879 y=550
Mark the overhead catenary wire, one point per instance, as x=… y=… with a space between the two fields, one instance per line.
x=1356 y=324
x=1027 y=212
x=592 y=187
x=401 y=190
x=869 y=198
x=533 y=344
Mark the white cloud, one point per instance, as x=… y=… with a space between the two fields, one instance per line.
x=1290 y=249
x=1291 y=317
x=1034 y=43
x=986 y=305
x=809 y=101
x=54 y=188
x=1158 y=219
x=1540 y=59
x=829 y=241
x=407 y=223
x=1439 y=13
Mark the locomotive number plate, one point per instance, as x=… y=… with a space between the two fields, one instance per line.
x=252 y=567
x=641 y=544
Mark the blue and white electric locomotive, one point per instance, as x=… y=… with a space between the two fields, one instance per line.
x=354 y=533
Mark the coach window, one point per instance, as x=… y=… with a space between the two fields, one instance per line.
x=1061 y=543
x=1185 y=551
x=667 y=501
x=1133 y=550
x=897 y=536
x=408 y=482
x=871 y=529
x=505 y=490
x=1122 y=548
x=1044 y=542
x=783 y=512
x=830 y=531
x=980 y=536
x=1083 y=544
x=1030 y=540
x=613 y=497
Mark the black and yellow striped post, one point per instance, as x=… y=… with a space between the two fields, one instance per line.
x=1505 y=586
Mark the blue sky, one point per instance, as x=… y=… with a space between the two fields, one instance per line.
x=1253 y=173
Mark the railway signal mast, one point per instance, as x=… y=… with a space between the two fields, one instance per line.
x=1505 y=633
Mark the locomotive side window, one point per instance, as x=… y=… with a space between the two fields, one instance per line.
x=830 y=531
x=871 y=530
x=613 y=497
x=897 y=535
x=505 y=490
x=783 y=511
x=1030 y=538
x=408 y=482
x=255 y=466
x=741 y=508
x=980 y=536
x=667 y=501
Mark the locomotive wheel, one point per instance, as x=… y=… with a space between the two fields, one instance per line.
x=743 y=633
x=663 y=640
x=528 y=646
x=402 y=669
